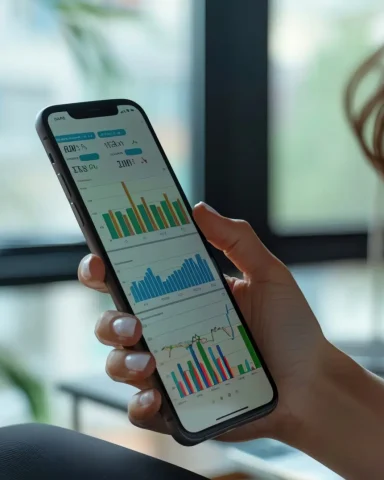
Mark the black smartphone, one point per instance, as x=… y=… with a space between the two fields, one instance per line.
x=135 y=216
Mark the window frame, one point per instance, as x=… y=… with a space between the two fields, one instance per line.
x=229 y=129
x=237 y=166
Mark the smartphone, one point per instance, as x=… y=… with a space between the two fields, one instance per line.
x=135 y=216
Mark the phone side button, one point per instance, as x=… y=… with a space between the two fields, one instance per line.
x=77 y=214
x=64 y=185
x=52 y=160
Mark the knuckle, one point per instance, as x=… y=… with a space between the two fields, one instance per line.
x=245 y=226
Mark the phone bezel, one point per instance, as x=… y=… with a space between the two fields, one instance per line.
x=110 y=107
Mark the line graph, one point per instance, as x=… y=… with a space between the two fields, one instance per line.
x=205 y=338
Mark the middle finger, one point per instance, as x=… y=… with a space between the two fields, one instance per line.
x=116 y=328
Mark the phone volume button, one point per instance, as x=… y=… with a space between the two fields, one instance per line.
x=64 y=185
x=52 y=160
x=77 y=214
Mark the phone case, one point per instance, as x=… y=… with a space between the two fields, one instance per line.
x=179 y=433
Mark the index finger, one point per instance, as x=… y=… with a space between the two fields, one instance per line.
x=91 y=273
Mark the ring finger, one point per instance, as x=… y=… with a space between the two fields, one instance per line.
x=130 y=366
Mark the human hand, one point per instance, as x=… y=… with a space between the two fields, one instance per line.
x=283 y=325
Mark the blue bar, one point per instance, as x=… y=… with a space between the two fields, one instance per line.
x=216 y=364
x=176 y=280
x=111 y=133
x=147 y=293
x=199 y=272
x=184 y=274
x=191 y=274
x=210 y=274
x=172 y=284
x=75 y=137
x=198 y=275
x=180 y=277
x=135 y=292
x=133 y=151
x=153 y=282
x=135 y=297
x=248 y=366
x=167 y=287
x=195 y=359
x=222 y=358
x=183 y=377
x=202 y=268
x=138 y=291
x=160 y=285
x=142 y=291
x=152 y=292
x=207 y=270
x=202 y=271
x=89 y=156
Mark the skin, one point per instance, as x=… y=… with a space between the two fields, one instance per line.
x=329 y=407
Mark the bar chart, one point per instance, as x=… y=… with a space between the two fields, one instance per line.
x=163 y=272
x=193 y=272
x=201 y=345
x=145 y=217
x=209 y=366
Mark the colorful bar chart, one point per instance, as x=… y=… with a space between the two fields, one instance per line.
x=208 y=366
x=193 y=272
x=143 y=217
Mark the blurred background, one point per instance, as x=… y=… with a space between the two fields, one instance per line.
x=246 y=98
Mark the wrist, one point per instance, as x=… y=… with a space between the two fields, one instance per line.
x=339 y=418
x=315 y=403
x=313 y=399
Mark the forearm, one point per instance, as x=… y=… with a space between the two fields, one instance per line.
x=343 y=423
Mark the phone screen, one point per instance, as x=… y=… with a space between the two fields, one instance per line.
x=203 y=354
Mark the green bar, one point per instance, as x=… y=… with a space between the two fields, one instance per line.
x=155 y=213
x=179 y=213
x=249 y=346
x=241 y=369
x=111 y=228
x=123 y=226
x=135 y=223
x=206 y=362
x=191 y=371
x=168 y=214
x=177 y=385
x=144 y=215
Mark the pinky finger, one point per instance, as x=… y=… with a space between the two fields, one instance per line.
x=143 y=411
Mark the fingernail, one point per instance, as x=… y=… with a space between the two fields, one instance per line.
x=208 y=207
x=146 y=398
x=86 y=267
x=124 y=327
x=137 y=361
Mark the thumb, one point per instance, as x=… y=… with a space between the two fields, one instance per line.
x=235 y=238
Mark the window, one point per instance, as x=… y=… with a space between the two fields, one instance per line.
x=136 y=49
x=320 y=180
